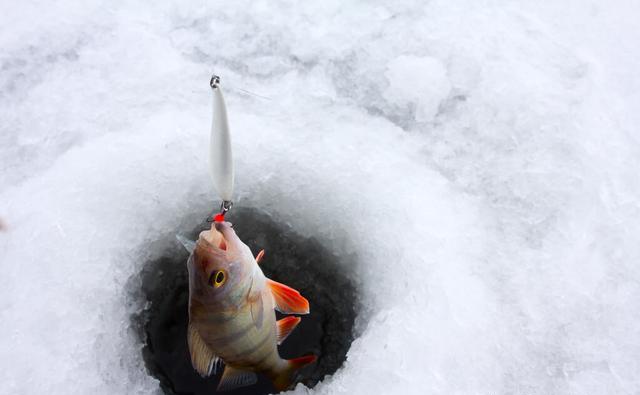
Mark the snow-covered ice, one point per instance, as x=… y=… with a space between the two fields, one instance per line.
x=479 y=158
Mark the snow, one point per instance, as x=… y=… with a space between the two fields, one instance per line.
x=418 y=81
x=478 y=157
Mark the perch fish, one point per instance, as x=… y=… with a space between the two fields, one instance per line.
x=231 y=313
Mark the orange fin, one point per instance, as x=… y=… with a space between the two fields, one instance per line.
x=287 y=300
x=259 y=256
x=300 y=362
x=287 y=377
x=285 y=326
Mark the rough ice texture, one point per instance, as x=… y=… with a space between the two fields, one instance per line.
x=479 y=158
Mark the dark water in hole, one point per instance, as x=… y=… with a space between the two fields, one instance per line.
x=301 y=263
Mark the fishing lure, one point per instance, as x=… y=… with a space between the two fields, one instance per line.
x=220 y=156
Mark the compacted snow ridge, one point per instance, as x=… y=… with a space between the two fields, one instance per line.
x=476 y=160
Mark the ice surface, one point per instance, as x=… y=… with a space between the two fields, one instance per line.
x=478 y=157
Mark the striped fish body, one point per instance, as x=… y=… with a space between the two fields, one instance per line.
x=231 y=313
x=235 y=336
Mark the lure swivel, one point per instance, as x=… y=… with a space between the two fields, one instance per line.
x=215 y=81
x=225 y=206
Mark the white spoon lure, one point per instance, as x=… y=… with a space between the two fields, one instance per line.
x=220 y=156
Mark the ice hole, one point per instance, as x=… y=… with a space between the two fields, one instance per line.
x=302 y=263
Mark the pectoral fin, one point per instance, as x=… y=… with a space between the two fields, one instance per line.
x=233 y=378
x=202 y=358
x=285 y=326
x=287 y=300
x=257 y=312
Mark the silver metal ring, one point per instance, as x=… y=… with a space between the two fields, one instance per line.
x=215 y=81
x=225 y=206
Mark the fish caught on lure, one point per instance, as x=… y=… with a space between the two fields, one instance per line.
x=231 y=313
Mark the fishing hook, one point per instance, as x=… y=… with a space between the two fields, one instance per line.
x=224 y=209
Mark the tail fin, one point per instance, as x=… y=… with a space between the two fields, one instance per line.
x=286 y=377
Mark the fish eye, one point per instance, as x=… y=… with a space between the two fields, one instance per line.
x=217 y=278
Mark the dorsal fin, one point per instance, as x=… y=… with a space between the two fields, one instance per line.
x=202 y=358
x=259 y=256
x=287 y=300
x=233 y=378
x=285 y=326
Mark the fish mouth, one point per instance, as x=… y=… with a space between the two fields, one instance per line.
x=215 y=237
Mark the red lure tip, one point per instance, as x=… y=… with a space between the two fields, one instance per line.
x=219 y=218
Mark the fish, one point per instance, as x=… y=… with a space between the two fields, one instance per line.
x=232 y=318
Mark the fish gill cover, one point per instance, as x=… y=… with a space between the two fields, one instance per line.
x=477 y=158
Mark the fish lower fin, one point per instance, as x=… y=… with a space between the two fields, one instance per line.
x=285 y=378
x=285 y=326
x=202 y=358
x=287 y=300
x=233 y=378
